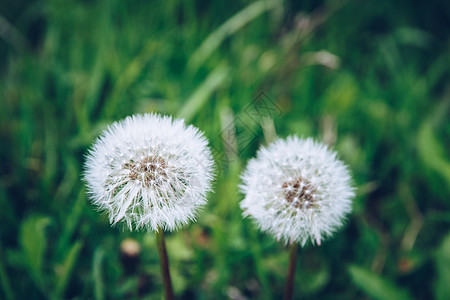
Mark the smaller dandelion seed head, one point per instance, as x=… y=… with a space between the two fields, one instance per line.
x=152 y=178
x=297 y=190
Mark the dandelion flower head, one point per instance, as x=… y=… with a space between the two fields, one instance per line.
x=150 y=172
x=297 y=190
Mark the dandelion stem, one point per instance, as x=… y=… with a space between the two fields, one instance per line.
x=288 y=291
x=164 y=263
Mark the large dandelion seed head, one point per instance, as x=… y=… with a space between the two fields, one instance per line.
x=149 y=171
x=297 y=190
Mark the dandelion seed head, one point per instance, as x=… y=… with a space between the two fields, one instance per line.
x=297 y=190
x=150 y=172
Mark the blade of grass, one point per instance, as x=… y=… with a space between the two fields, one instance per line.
x=375 y=286
x=199 y=97
x=130 y=75
x=432 y=152
x=6 y=284
x=97 y=272
x=12 y=36
x=71 y=223
x=67 y=267
x=239 y=20
x=33 y=241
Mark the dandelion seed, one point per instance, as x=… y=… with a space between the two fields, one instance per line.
x=149 y=171
x=297 y=190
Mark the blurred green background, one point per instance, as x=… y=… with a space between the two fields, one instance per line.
x=369 y=77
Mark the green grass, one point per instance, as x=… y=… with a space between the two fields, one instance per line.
x=371 y=78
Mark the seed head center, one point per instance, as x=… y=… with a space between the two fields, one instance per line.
x=148 y=170
x=299 y=193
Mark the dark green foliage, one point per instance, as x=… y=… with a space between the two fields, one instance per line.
x=370 y=77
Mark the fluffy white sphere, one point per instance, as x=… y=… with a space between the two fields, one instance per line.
x=297 y=190
x=150 y=171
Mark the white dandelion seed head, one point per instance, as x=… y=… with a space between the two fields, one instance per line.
x=297 y=190
x=150 y=171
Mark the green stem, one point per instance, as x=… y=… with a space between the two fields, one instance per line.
x=288 y=291
x=164 y=263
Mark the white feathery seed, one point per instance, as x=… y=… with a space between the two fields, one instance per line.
x=297 y=190
x=150 y=171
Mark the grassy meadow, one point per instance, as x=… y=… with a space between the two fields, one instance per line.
x=370 y=78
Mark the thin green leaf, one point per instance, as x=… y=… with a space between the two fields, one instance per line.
x=71 y=223
x=376 y=286
x=442 y=290
x=34 y=244
x=6 y=284
x=200 y=96
x=432 y=151
x=235 y=23
x=99 y=256
x=67 y=267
